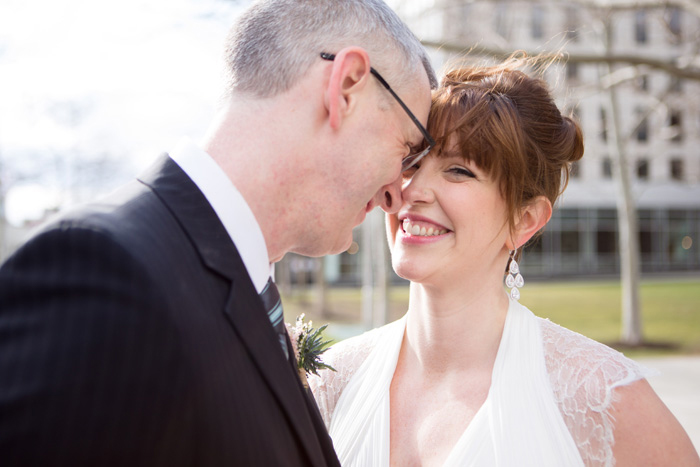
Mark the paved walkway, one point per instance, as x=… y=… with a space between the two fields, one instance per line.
x=678 y=385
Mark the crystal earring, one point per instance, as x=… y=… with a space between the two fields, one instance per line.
x=514 y=280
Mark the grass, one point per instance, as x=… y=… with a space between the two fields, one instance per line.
x=670 y=311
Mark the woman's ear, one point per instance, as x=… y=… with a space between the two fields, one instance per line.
x=349 y=75
x=531 y=219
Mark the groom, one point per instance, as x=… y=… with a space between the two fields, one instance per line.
x=132 y=330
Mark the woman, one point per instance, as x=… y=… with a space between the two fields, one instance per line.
x=469 y=376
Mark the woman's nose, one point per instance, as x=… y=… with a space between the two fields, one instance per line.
x=417 y=189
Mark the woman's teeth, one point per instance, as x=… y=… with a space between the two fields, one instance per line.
x=418 y=231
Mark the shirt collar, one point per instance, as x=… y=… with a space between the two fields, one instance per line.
x=230 y=207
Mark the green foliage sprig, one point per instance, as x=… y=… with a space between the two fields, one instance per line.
x=308 y=346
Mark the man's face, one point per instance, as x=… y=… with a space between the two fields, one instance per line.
x=366 y=171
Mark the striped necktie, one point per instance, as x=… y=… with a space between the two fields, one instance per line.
x=273 y=305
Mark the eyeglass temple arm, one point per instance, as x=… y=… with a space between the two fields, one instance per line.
x=426 y=135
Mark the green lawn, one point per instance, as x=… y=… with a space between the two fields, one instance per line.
x=670 y=311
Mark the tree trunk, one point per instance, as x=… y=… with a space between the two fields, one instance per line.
x=367 y=276
x=381 y=310
x=375 y=272
x=628 y=239
x=321 y=287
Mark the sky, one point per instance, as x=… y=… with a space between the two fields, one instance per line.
x=111 y=83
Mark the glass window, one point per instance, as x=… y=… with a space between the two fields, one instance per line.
x=645 y=214
x=605 y=242
x=640 y=26
x=571 y=71
x=569 y=213
x=534 y=245
x=570 y=241
x=677 y=169
x=603 y=125
x=607 y=214
x=643 y=169
x=673 y=23
x=676 y=124
x=643 y=127
x=575 y=170
x=607 y=167
x=679 y=233
x=645 y=242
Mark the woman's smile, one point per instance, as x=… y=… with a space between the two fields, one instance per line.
x=413 y=229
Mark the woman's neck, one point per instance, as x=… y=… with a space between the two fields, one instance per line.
x=456 y=328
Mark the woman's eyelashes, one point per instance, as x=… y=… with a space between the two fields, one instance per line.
x=461 y=172
x=453 y=171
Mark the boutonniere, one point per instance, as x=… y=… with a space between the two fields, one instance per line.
x=308 y=347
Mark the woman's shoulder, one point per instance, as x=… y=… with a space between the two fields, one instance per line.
x=584 y=374
x=573 y=359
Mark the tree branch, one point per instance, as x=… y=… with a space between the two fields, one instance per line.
x=669 y=66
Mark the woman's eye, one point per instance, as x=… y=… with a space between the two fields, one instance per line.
x=461 y=171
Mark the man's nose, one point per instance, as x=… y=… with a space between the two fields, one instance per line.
x=390 y=197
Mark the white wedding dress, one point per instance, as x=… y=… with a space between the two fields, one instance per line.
x=548 y=405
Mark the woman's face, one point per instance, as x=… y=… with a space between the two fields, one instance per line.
x=452 y=223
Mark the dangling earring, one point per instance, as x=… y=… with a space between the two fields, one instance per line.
x=514 y=280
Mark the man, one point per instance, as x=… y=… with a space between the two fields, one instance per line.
x=133 y=331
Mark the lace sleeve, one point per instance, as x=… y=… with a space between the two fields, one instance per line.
x=346 y=357
x=583 y=374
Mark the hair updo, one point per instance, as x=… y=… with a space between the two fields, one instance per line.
x=507 y=123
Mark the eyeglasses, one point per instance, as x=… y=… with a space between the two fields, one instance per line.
x=412 y=159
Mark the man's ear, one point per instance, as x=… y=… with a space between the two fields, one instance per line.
x=531 y=219
x=349 y=74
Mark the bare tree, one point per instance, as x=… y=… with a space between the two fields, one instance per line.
x=75 y=171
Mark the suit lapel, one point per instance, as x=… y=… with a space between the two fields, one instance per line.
x=244 y=308
x=253 y=327
x=194 y=213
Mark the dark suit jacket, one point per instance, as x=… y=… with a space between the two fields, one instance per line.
x=132 y=335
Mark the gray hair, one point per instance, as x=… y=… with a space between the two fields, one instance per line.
x=275 y=42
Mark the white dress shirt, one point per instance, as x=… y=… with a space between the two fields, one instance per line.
x=229 y=205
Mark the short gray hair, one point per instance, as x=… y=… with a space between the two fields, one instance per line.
x=275 y=42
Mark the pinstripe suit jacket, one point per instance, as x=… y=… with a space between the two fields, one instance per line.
x=131 y=335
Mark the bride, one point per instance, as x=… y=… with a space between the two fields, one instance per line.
x=469 y=376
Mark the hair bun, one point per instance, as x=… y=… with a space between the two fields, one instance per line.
x=575 y=138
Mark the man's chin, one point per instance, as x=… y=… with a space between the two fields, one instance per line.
x=344 y=247
x=360 y=219
x=319 y=250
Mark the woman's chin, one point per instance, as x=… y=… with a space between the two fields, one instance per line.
x=409 y=271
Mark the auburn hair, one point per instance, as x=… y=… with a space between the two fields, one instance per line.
x=507 y=123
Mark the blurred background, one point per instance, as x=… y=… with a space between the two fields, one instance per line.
x=92 y=92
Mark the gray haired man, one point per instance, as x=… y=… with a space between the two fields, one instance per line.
x=144 y=329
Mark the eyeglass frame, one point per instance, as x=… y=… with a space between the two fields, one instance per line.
x=412 y=159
